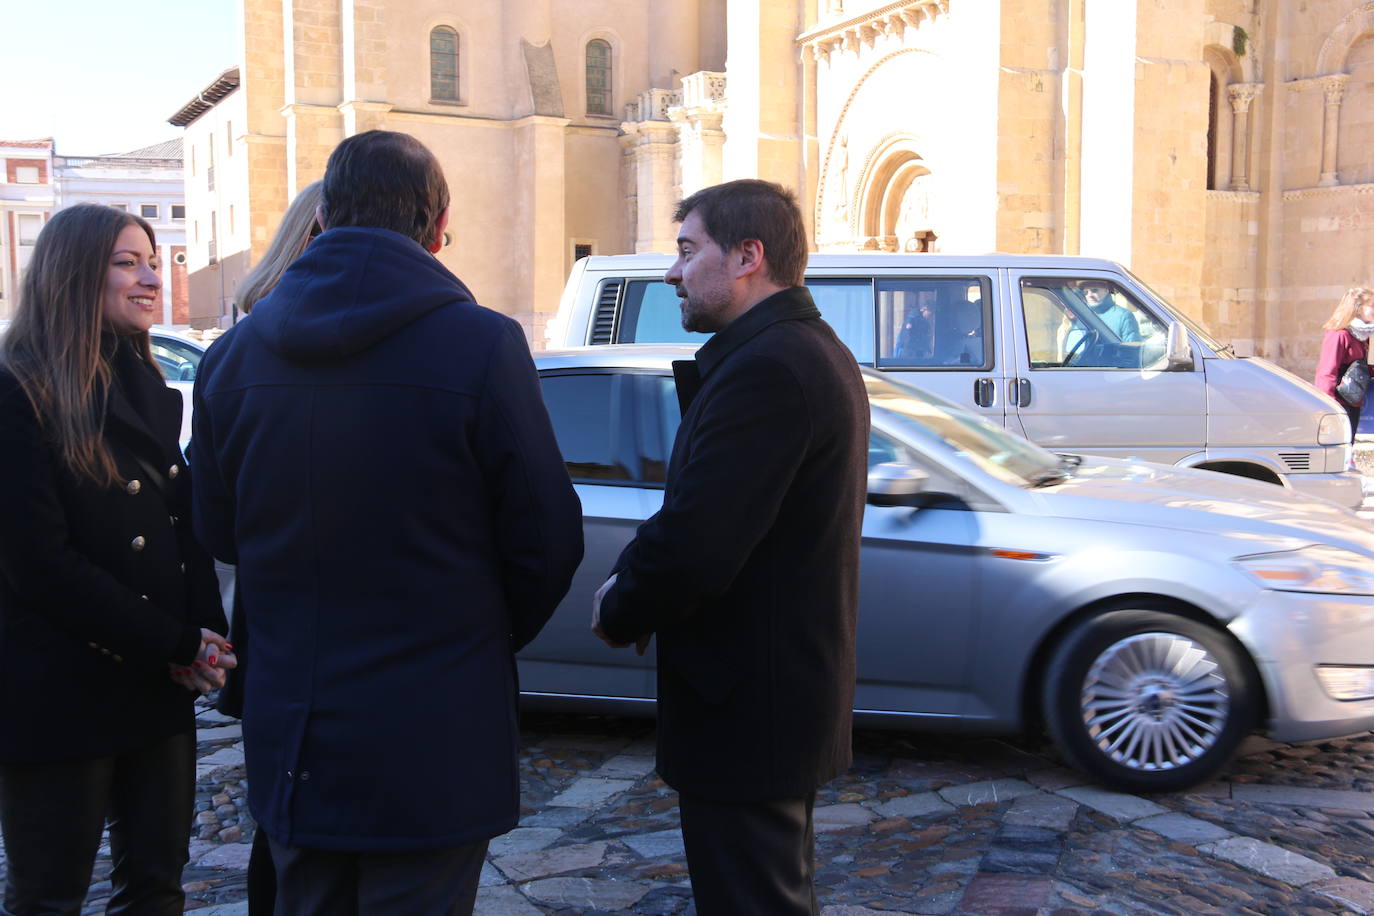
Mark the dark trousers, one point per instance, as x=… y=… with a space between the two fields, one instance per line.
x=1354 y=414
x=314 y=882
x=752 y=857
x=52 y=815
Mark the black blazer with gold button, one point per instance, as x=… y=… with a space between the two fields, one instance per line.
x=100 y=587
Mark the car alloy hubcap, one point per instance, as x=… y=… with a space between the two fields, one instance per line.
x=1155 y=701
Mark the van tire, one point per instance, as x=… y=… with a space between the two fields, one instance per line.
x=1148 y=701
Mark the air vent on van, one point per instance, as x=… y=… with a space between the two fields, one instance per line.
x=1296 y=461
x=607 y=298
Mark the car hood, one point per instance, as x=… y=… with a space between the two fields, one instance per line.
x=1140 y=493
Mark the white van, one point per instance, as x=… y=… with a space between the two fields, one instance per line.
x=1076 y=354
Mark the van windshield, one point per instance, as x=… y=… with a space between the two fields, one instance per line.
x=1198 y=330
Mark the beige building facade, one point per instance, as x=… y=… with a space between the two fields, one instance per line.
x=1222 y=149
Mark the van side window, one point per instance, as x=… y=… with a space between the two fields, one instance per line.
x=847 y=306
x=650 y=314
x=1088 y=324
x=935 y=323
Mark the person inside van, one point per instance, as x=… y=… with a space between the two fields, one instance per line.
x=1097 y=296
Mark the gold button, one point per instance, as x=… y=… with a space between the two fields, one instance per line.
x=104 y=651
x=173 y=471
x=118 y=658
x=132 y=487
x=138 y=543
x=92 y=645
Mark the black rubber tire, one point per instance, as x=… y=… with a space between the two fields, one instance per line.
x=1186 y=703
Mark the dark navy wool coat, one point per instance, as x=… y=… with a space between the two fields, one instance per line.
x=749 y=574
x=100 y=586
x=379 y=463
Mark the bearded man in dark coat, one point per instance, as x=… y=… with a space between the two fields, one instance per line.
x=749 y=574
x=379 y=463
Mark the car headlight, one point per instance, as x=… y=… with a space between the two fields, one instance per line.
x=1318 y=568
x=1334 y=429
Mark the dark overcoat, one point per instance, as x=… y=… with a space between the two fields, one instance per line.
x=100 y=586
x=379 y=463
x=749 y=574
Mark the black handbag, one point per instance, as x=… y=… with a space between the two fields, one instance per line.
x=1354 y=383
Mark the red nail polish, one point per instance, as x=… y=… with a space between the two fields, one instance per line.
x=214 y=659
x=200 y=664
x=229 y=646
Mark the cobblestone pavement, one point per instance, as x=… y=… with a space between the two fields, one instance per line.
x=922 y=824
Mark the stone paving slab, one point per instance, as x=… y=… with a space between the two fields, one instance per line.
x=589 y=792
x=1269 y=860
x=1184 y=829
x=922 y=804
x=1351 y=892
x=1123 y=808
x=1041 y=810
x=1297 y=796
x=980 y=793
x=526 y=866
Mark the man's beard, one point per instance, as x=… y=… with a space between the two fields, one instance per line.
x=698 y=315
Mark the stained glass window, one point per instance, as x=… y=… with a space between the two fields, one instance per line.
x=598 y=77
x=443 y=64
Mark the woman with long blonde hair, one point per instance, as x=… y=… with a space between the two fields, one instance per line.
x=109 y=611
x=1345 y=339
x=297 y=227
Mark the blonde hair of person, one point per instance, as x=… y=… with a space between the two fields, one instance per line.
x=1354 y=297
x=53 y=345
x=294 y=232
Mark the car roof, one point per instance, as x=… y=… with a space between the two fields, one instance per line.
x=615 y=356
x=880 y=260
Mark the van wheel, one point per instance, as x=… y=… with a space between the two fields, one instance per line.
x=1148 y=701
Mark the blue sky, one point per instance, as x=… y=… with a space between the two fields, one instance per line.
x=104 y=77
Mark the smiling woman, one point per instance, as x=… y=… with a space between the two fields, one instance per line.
x=106 y=601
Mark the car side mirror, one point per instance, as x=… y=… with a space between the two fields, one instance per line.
x=1178 y=353
x=894 y=484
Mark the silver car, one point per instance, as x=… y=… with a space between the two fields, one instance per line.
x=1148 y=617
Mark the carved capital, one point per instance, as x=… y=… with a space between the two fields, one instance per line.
x=1242 y=94
x=1333 y=87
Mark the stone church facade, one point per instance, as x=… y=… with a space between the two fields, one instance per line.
x=1222 y=149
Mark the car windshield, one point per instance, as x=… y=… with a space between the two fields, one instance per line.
x=991 y=448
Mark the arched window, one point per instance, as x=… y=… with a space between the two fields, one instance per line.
x=598 y=77
x=443 y=64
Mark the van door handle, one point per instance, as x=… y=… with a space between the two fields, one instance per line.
x=1019 y=392
x=984 y=392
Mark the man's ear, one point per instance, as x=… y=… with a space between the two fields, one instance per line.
x=749 y=258
x=319 y=216
x=440 y=225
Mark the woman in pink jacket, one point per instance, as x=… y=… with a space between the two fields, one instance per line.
x=1346 y=339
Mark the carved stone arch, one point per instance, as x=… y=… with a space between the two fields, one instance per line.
x=1220 y=38
x=838 y=131
x=1225 y=70
x=882 y=187
x=1331 y=58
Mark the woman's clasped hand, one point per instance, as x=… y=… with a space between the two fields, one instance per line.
x=213 y=661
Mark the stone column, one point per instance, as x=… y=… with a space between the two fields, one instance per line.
x=653 y=158
x=1333 y=87
x=1241 y=95
x=699 y=135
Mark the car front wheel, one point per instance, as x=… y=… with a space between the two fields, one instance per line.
x=1148 y=701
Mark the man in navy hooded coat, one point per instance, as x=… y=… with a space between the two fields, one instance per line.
x=373 y=452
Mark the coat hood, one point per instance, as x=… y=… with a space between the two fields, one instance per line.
x=352 y=288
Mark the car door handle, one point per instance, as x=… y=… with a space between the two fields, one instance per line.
x=984 y=392
x=1019 y=392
